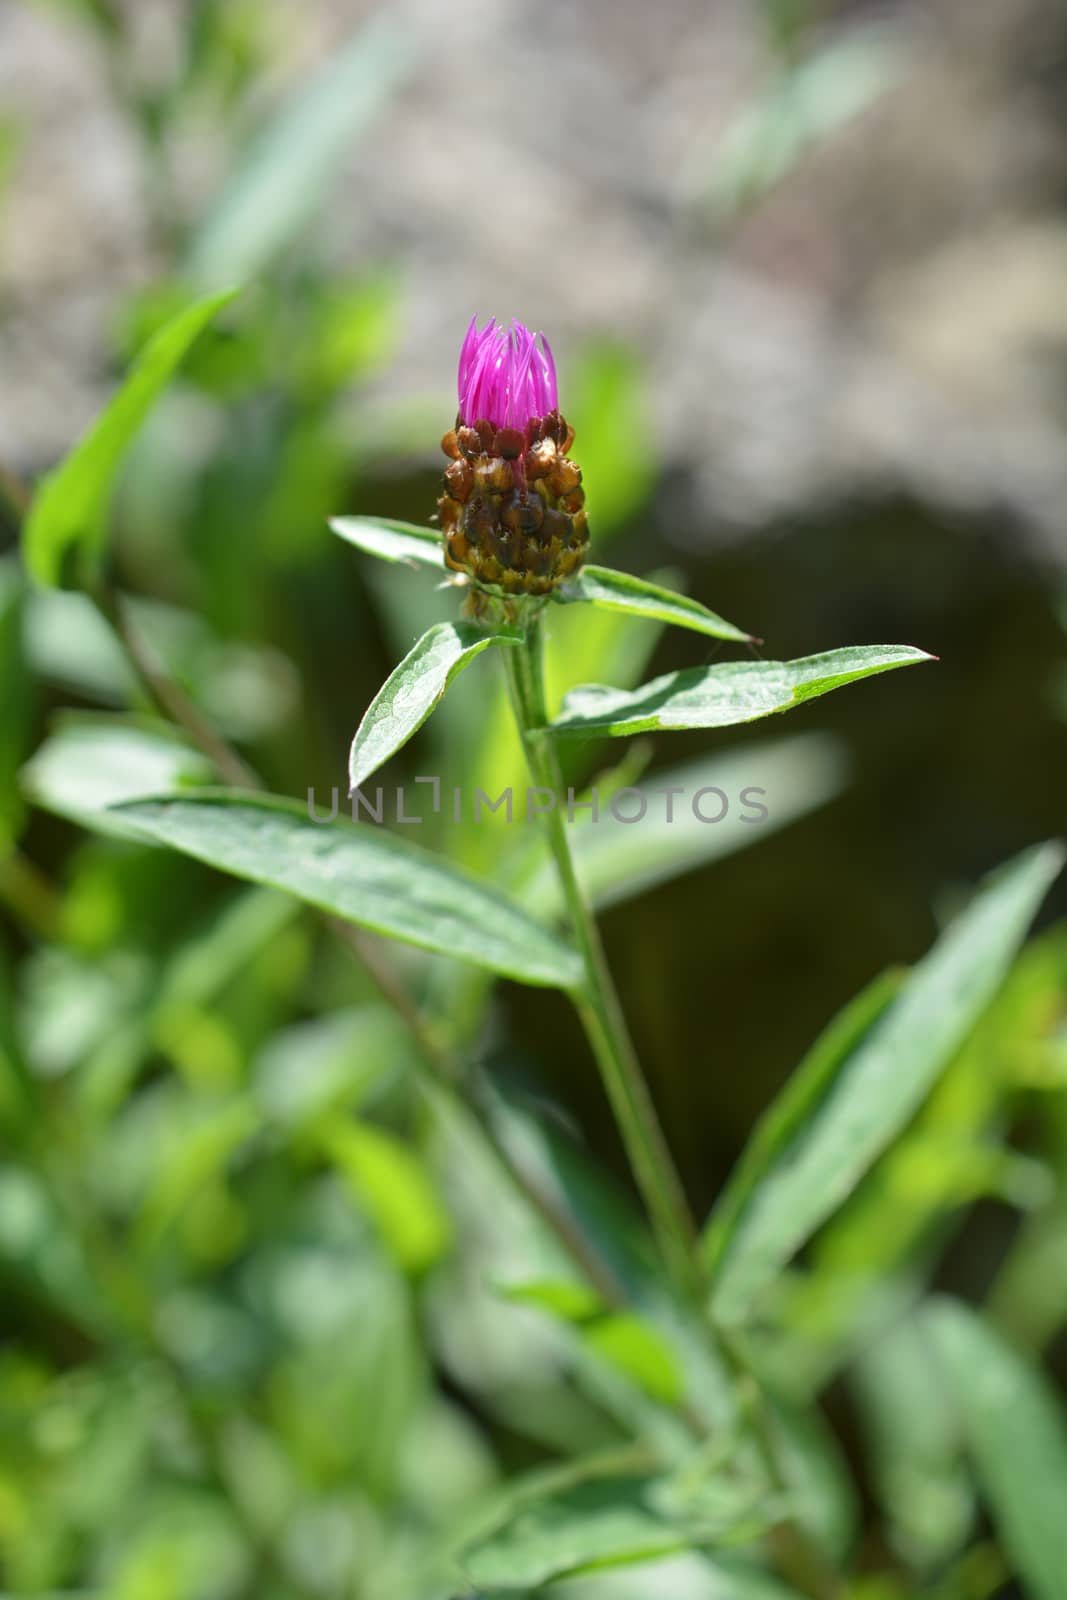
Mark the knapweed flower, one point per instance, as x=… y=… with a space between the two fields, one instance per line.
x=513 y=510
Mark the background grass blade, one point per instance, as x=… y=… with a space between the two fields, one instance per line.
x=411 y=691
x=720 y=697
x=69 y=512
x=1017 y=1434
x=289 y=168
x=360 y=874
x=812 y=1162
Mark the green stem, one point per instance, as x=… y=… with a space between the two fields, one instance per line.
x=166 y=695
x=597 y=1003
x=596 y=999
x=26 y=890
x=797 y=1557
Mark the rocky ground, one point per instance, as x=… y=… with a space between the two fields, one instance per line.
x=888 y=318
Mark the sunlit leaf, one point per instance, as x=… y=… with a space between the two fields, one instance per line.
x=607 y=401
x=392 y=541
x=720 y=697
x=621 y=591
x=1016 y=1430
x=360 y=874
x=561 y=1297
x=411 y=691
x=214 y=1134
x=626 y=1340
x=68 y=516
x=393 y=1184
x=818 y=1149
x=89 y=765
x=630 y=1343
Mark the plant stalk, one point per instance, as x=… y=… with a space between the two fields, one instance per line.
x=596 y=999
x=598 y=1006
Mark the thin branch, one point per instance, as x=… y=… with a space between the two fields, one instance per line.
x=15 y=492
x=169 y=697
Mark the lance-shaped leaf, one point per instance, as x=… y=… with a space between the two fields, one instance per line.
x=621 y=591
x=392 y=541
x=811 y=1151
x=720 y=697
x=89 y=765
x=360 y=874
x=411 y=691
x=1016 y=1431
x=69 y=512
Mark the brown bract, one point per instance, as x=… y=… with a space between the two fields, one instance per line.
x=513 y=511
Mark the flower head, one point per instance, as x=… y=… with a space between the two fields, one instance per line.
x=505 y=378
x=513 y=510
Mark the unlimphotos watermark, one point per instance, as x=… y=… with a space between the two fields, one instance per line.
x=671 y=805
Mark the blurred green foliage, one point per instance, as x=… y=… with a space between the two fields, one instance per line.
x=276 y=1321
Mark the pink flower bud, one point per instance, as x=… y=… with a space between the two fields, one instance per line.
x=505 y=376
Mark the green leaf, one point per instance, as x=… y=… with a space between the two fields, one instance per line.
x=640 y=1351
x=283 y=179
x=797 y=1103
x=912 y=1445
x=606 y=1522
x=187 y=1165
x=390 y=1180
x=360 y=874
x=720 y=697
x=608 y=401
x=411 y=691
x=621 y=591
x=623 y=1338
x=307 y=1073
x=562 y=1297
x=811 y=1152
x=1017 y=1434
x=88 y=766
x=392 y=541
x=68 y=517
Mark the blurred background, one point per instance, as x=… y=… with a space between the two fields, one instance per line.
x=803 y=266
